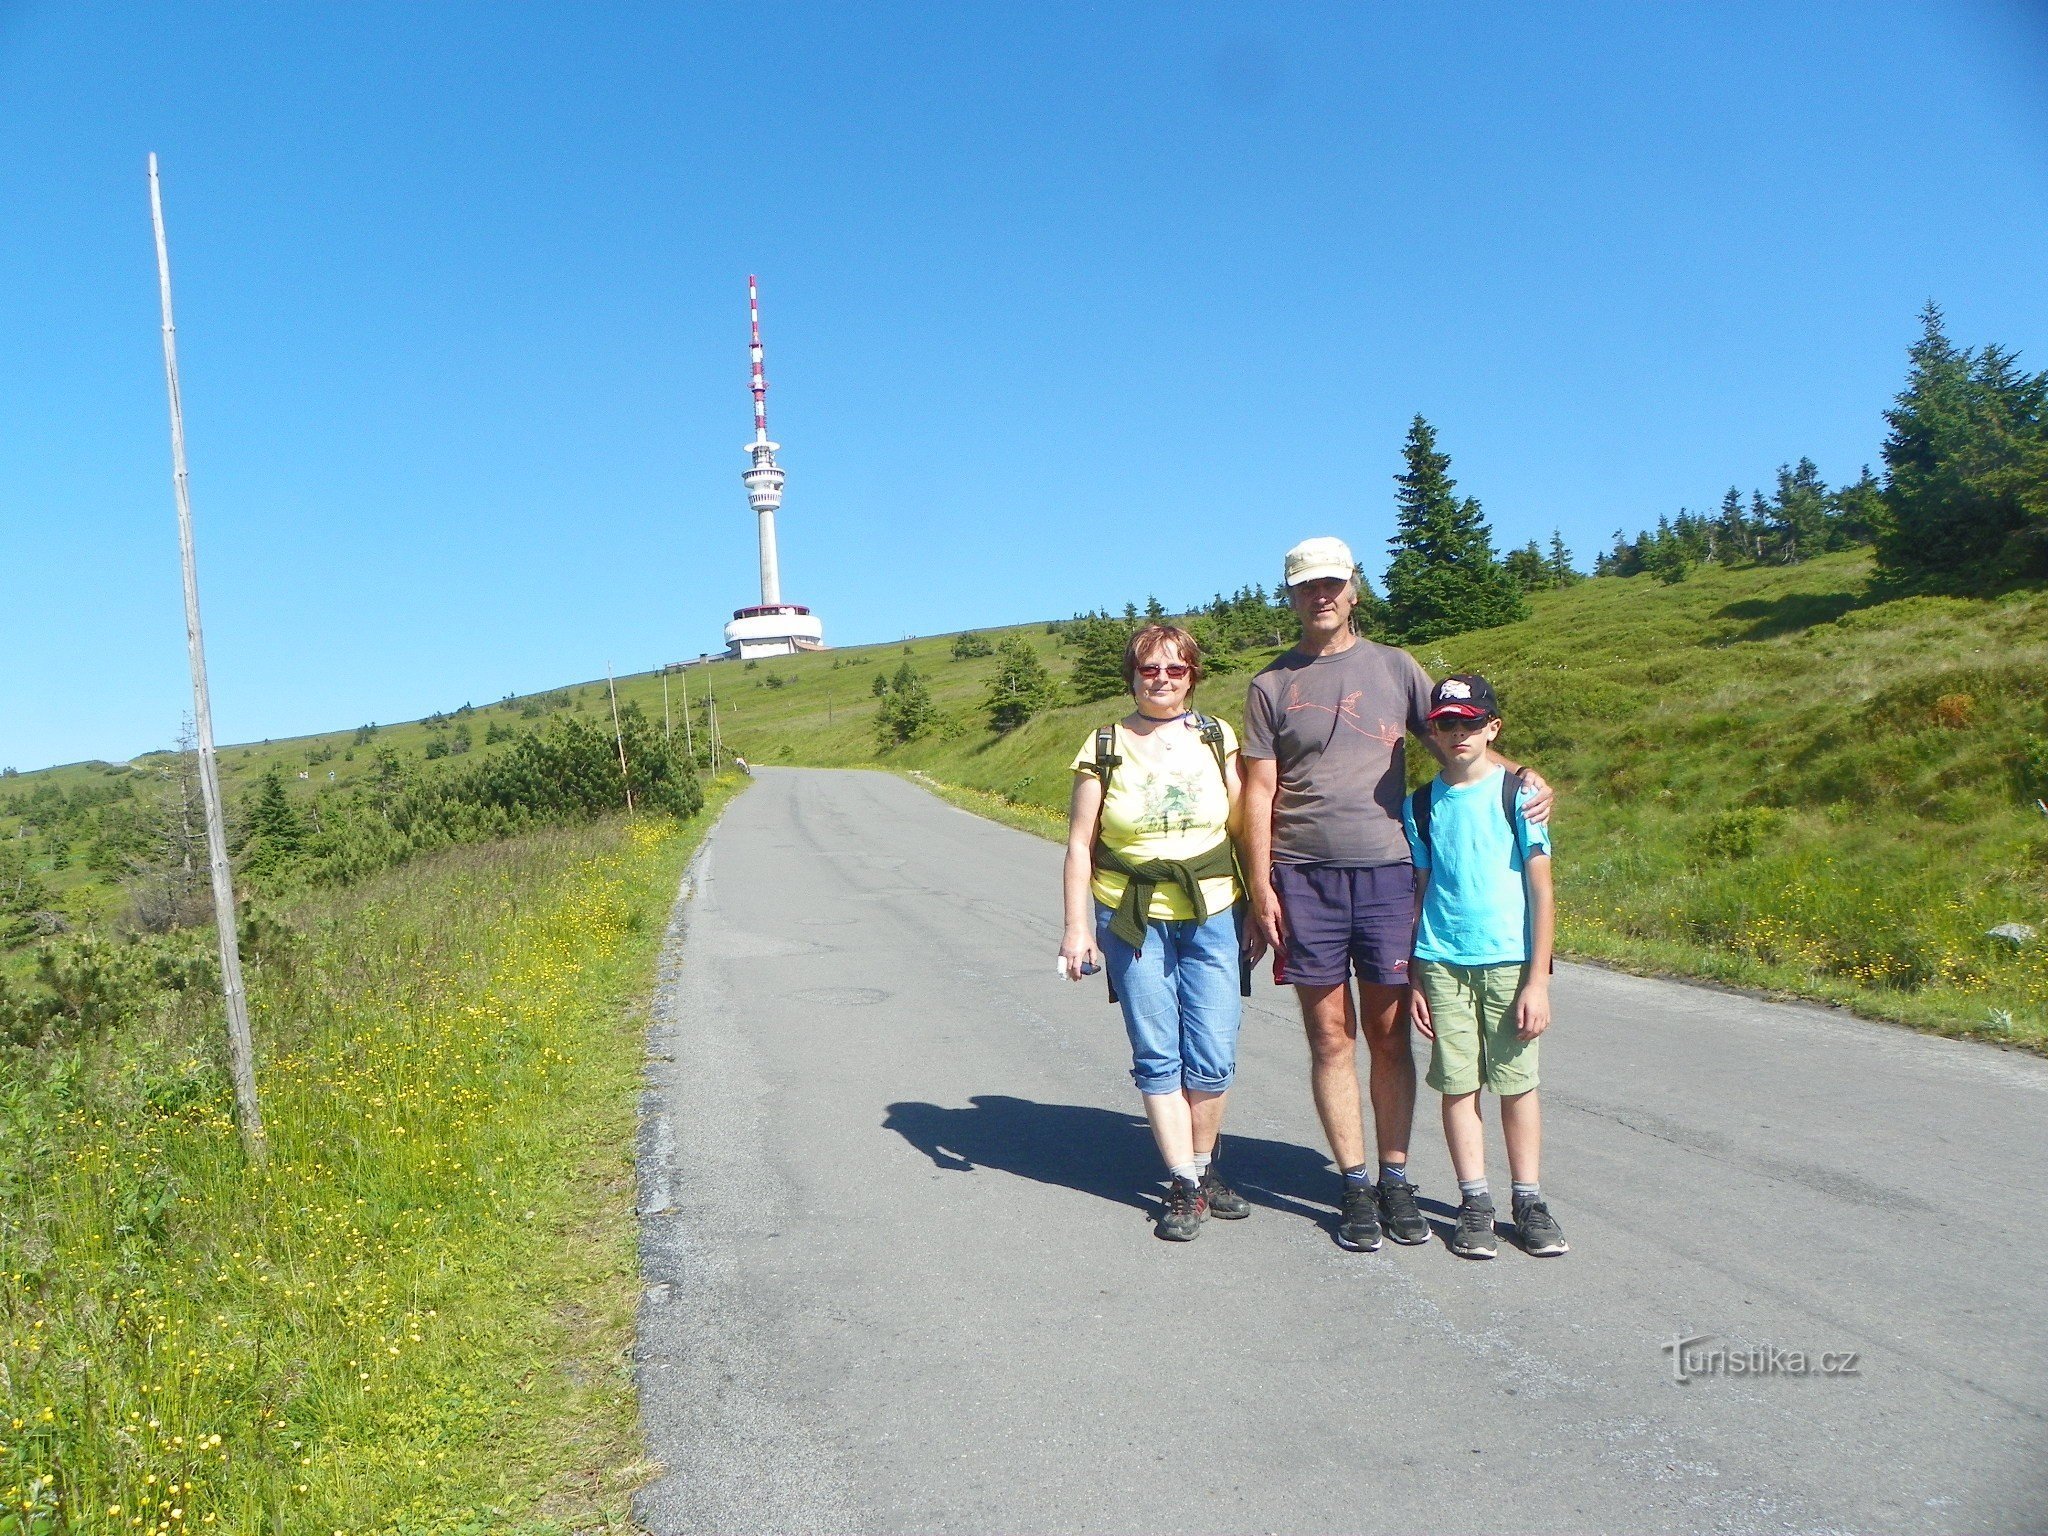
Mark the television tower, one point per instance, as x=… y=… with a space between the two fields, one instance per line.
x=773 y=628
x=764 y=476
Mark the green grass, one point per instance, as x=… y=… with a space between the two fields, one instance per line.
x=1771 y=778
x=415 y=1317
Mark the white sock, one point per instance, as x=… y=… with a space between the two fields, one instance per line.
x=1186 y=1171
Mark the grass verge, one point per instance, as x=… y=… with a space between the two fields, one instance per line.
x=415 y=1317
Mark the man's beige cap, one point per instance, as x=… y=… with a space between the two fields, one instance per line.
x=1313 y=559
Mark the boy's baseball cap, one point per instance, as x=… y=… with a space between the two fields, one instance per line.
x=1314 y=559
x=1466 y=695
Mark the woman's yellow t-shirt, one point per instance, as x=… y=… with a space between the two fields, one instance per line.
x=1170 y=812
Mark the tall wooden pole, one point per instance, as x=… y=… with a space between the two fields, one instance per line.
x=241 y=1053
x=619 y=737
x=667 y=727
x=689 y=744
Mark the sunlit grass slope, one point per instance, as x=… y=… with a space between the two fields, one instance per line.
x=415 y=1317
x=1770 y=778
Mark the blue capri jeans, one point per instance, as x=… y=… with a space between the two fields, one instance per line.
x=1180 y=1000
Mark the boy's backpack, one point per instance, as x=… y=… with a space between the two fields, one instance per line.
x=1107 y=758
x=1419 y=806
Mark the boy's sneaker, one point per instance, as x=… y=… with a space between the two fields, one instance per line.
x=1180 y=1217
x=1225 y=1203
x=1399 y=1213
x=1358 y=1224
x=1474 y=1237
x=1537 y=1232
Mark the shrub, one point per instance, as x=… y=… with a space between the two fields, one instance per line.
x=908 y=710
x=1020 y=688
x=1742 y=833
x=970 y=645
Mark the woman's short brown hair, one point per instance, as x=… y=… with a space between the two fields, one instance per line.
x=1150 y=639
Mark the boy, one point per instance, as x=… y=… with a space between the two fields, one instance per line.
x=1480 y=978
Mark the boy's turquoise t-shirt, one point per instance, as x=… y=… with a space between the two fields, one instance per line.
x=1476 y=911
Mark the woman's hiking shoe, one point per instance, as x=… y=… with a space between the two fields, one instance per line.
x=1225 y=1203
x=1358 y=1223
x=1180 y=1217
x=1537 y=1232
x=1473 y=1238
x=1400 y=1215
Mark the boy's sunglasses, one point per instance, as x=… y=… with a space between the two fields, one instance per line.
x=1444 y=725
x=1172 y=669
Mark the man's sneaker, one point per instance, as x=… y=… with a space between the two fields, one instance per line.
x=1358 y=1225
x=1181 y=1216
x=1225 y=1203
x=1537 y=1232
x=1399 y=1214
x=1474 y=1237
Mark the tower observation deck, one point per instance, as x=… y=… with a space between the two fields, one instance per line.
x=771 y=627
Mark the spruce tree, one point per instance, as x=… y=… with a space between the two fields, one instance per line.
x=1799 y=512
x=1966 y=464
x=1443 y=578
x=1527 y=566
x=1021 y=686
x=1558 y=564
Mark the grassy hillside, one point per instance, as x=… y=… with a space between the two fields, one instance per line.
x=1771 y=778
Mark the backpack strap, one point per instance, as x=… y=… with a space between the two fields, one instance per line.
x=1510 y=801
x=1212 y=738
x=1106 y=757
x=1418 y=807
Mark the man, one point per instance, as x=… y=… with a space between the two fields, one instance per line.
x=1332 y=887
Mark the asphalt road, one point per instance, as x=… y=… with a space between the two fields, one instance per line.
x=901 y=1277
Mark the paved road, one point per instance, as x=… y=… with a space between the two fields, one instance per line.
x=900 y=1274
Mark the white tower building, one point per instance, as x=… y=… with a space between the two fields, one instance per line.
x=773 y=627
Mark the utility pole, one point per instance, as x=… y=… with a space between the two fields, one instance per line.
x=689 y=743
x=619 y=737
x=667 y=729
x=241 y=1053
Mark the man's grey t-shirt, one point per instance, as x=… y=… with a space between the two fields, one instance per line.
x=1336 y=725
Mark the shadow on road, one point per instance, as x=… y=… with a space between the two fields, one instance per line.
x=1103 y=1152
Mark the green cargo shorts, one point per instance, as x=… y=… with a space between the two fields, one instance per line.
x=1472 y=1009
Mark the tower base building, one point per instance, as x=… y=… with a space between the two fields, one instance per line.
x=774 y=629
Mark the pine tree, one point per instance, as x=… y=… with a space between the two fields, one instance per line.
x=1799 y=512
x=1020 y=688
x=1099 y=642
x=273 y=830
x=1443 y=578
x=1856 y=512
x=1966 y=464
x=908 y=710
x=1557 y=564
x=1528 y=568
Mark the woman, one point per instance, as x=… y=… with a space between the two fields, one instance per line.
x=1152 y=890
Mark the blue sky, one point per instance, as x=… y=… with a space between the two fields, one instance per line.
x=1064 y=305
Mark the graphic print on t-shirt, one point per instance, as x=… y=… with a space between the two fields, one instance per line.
x=1346 y=714
x=1171 y=801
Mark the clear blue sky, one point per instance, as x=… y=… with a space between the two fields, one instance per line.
x=1064 y=305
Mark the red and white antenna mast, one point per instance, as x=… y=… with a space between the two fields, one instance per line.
x=764 y=476
x=754 y=353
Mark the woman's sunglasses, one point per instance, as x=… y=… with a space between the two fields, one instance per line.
x=1172 y=669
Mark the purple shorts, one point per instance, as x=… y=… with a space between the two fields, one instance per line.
x=1340 y=918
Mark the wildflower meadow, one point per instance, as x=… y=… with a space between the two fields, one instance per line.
x=414 y=1316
